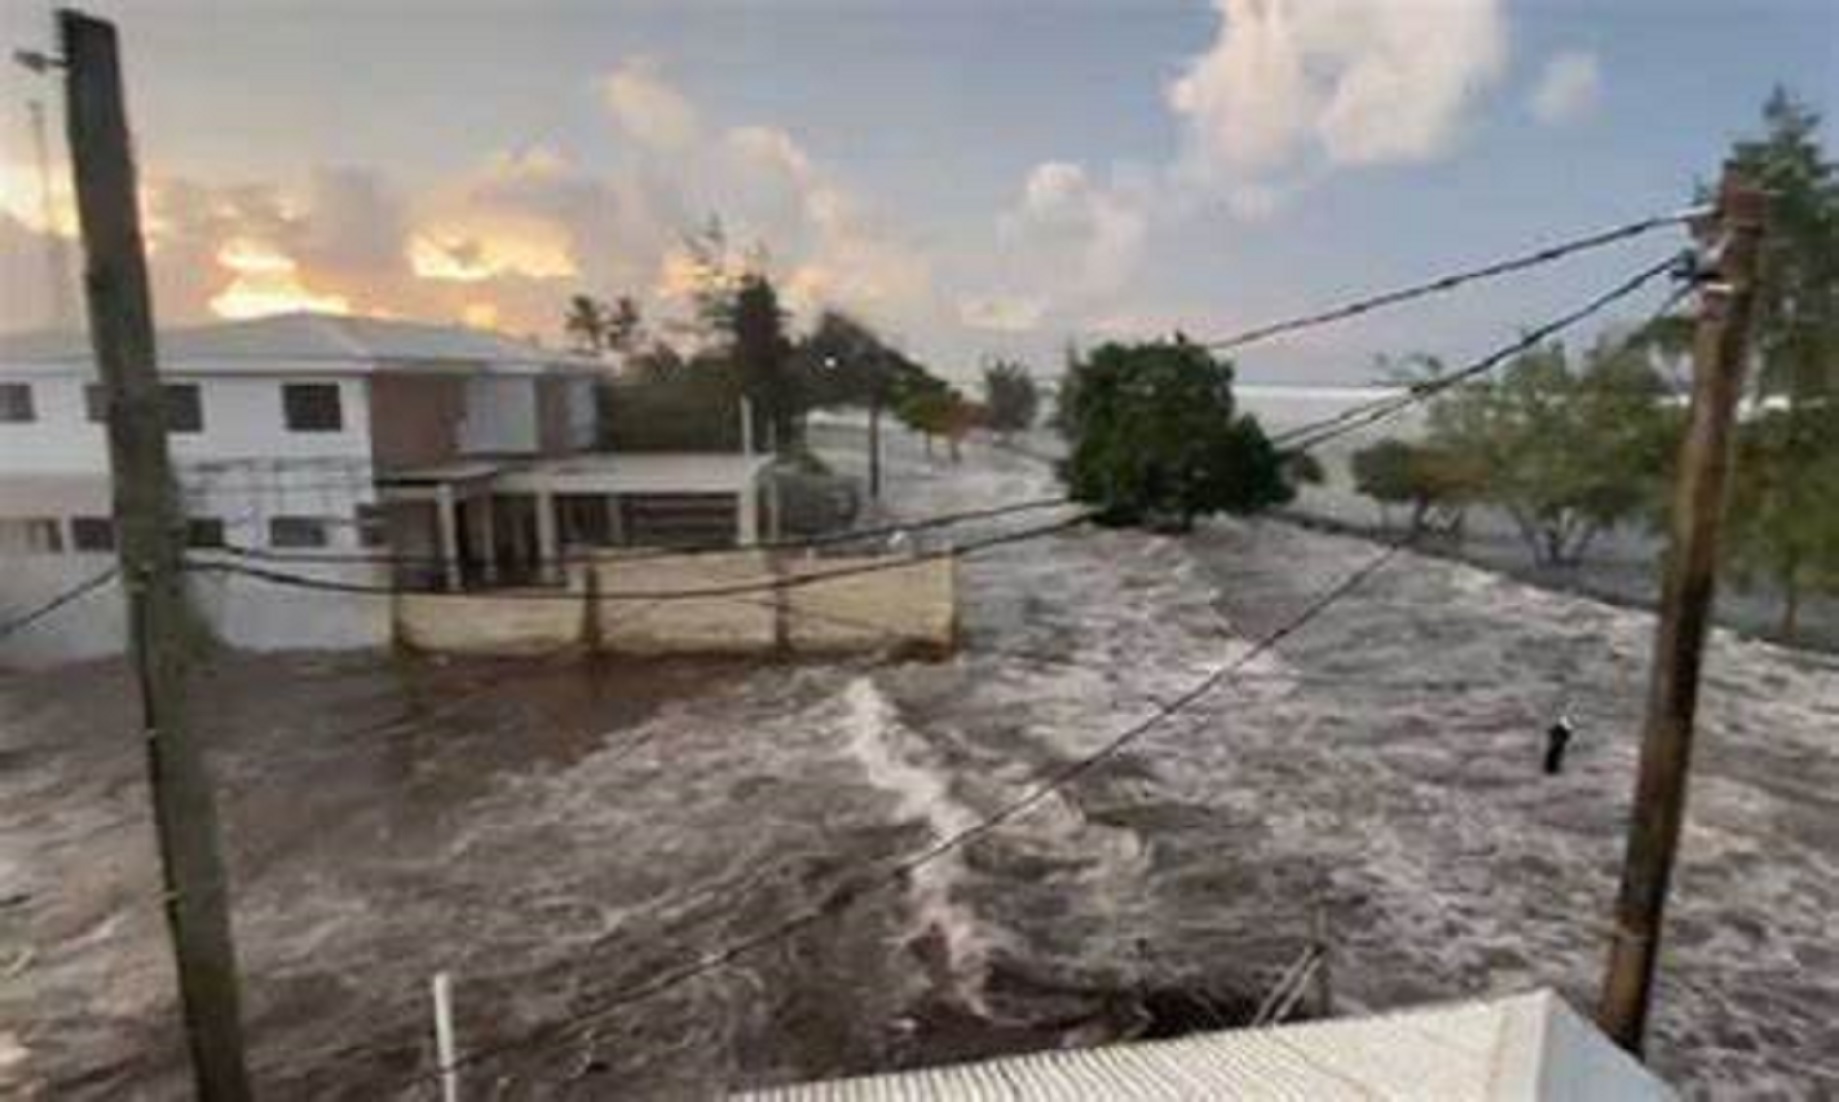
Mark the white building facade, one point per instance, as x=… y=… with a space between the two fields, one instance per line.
x=356 y=448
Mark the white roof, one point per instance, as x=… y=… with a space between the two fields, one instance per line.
x=1523 y=1047
x=640 y=473
x=309 y=342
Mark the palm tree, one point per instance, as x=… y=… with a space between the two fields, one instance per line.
x=589 y=323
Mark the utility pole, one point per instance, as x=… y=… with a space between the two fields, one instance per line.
x=1685 y=611
x=150 y=538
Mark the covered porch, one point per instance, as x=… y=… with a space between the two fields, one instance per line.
x=488 y=523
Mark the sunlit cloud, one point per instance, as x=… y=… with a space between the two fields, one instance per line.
x=469 y=256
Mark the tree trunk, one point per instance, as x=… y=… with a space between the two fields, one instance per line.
x=1790 y=627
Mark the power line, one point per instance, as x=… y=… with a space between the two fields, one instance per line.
x=74 y=593
x=334 y=585
x=897 y=872
x=1306 y=437
x=790 y=543
x=1454 y=280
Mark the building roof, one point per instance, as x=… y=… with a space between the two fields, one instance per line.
x=310 y=342
x=1523 y=1047
x=641 y=473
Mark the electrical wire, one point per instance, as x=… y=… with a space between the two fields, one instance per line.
x=1455 y=280
x=788 y=543
x=25 y=620
x=334 y=585
x=1306 y=437
x=896 y=873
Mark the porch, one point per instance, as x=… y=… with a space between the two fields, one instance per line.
x=489 y=523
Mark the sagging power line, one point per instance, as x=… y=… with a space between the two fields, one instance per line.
x=897 y=872
x=1455 y=280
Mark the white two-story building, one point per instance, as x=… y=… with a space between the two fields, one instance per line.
x=360 y=448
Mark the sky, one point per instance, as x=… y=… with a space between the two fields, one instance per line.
x=975 y=179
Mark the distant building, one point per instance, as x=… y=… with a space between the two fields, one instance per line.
x=463 y=458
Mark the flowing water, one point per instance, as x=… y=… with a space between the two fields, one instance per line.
x=565 y=836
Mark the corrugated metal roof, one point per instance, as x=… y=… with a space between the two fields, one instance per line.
x=1522 y=1047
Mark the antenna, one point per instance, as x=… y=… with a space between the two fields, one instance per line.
x=59 y=313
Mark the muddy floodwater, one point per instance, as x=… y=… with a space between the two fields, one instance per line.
x=618 y=862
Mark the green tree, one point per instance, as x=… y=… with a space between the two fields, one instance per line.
x=762 y=354
x=1785 y=507
x=1157 y=440
x=1437 y=483
x=1568 y=449
x=1011 y=397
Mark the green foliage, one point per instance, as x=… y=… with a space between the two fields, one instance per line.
x=670 y=404
x=1783 y=525
x=1568 y=450
x=1435 y=481
x=1156 y=439
x=1010 y=395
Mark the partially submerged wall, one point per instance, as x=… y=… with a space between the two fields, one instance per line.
x=913 y=605
x=744 y=623
x=866 y=607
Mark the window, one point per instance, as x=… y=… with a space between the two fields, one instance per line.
x=297 y=532
x=184 y=406
x=16 y=403
x=31 y=536
x=312 y=407
x=204 y=532
x=373 y=526
x=92 y=533
x=184 y=409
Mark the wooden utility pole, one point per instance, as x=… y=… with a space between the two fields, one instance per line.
x=1685 y=611
x=150 y=538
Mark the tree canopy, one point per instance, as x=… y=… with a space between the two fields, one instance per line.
x=1010 y=396
x=1157 y=440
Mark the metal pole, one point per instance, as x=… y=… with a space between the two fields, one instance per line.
x=1685 y=611
x=150 y=537
x=443 y=1037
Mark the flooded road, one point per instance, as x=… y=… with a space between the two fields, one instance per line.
x=564 y=836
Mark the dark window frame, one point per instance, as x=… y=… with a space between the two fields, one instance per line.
x=184 y=406
x=303 y=409
x=18 y=404
x=292 y=532
x=205 y=532
x=92 y=534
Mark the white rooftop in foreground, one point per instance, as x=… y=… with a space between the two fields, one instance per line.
x=1520 y=1048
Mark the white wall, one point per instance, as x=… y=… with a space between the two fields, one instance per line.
x=242 y=419
x=241 y=612
x=500 y=416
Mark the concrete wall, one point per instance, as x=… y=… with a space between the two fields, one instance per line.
x=741 y=624
x=909 y=606
x=94 y=626
x=242 y=419
x=501 y=416
x=913 y=605
x=417 y=419
x=488 y=624
x=238 y=611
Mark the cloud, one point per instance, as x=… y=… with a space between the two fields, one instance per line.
x=1004 y=313
x=1070 y=227
x=649 y=109
x=1569 y=86
x=506 y=242
x=1352 y=82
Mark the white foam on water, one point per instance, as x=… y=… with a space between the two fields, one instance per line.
x=892 y=759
